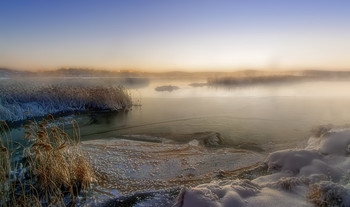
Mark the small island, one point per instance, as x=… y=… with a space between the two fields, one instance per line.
x=168 y=88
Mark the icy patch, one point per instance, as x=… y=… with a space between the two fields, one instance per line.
x=205 y=139
x=317 y=175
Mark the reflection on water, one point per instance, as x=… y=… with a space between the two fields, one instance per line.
x=272 y=116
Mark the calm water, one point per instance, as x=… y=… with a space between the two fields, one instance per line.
x=271 y=116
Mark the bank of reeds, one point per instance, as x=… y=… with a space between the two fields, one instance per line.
x=52 y=170
x=20 y=102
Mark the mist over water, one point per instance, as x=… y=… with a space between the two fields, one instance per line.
x=269 y=117
x=264 y=117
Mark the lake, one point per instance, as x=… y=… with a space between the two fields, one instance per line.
x=182 y=133
x=271 y=117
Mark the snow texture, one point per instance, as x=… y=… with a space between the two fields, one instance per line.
x=315 y=176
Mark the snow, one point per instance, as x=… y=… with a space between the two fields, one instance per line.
x=291 y=160
x=130 y=164
x=317 y=175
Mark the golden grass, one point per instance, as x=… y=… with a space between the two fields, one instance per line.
x=56 y=168
x=315 y=195
x=327 y=193
x=4 y=166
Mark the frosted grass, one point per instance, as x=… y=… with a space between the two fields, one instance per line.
x=21 y=101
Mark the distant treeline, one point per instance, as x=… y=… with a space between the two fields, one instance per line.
x=254 y=74
x=243 y=78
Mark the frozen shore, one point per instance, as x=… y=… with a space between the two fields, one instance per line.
x=315 y=176
x=130 y=167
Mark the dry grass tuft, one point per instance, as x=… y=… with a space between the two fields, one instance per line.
x=315 y=195
x=4 y=170
x=55 y=169
x=327 y=193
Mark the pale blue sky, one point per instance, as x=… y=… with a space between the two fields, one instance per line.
x=175 y=34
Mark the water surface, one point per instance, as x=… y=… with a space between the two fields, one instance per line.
x=269 y=116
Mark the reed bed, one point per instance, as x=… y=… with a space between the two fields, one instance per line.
x=21 y=102
x=52 y=171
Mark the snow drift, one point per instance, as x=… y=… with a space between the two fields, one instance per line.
x=317 y=175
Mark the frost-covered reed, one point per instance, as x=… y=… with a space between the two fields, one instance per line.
x=23 y=101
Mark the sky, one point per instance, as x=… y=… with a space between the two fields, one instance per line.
x=165 y=35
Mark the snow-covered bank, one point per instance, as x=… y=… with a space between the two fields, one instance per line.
x=317 y=175
x=144 y=166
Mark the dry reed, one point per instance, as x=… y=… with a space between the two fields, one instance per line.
x=20 y=102
x=56 y=170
